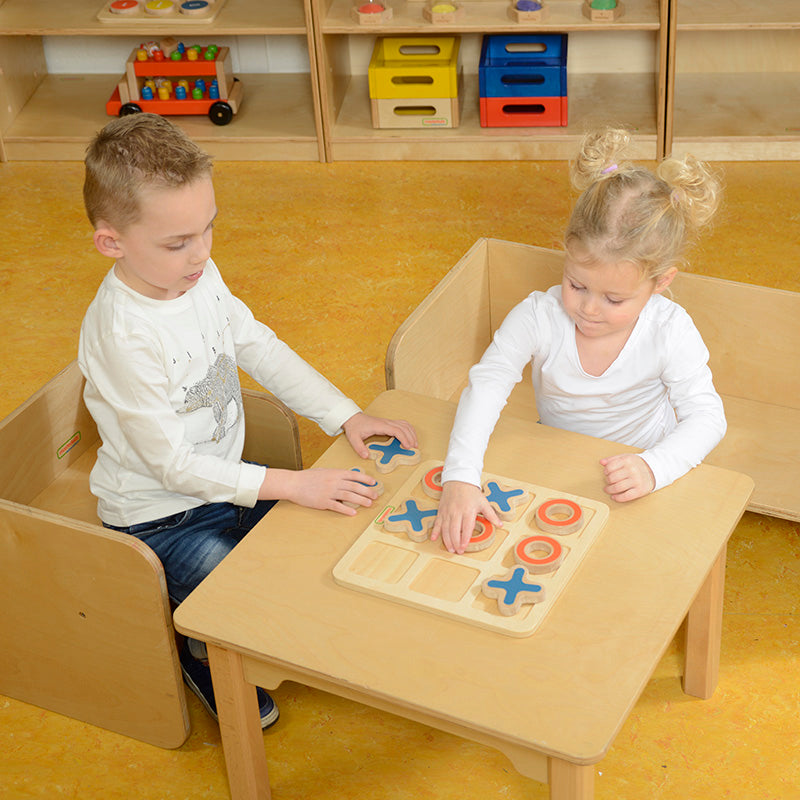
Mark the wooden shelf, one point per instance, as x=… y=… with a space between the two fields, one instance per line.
x=734 y=84
x=634 y=99
x=722 y=81
x=79 y=17
x=276 y=120
x=486 y=17
x=54 y=116
x=352 y=136
x=737 y=14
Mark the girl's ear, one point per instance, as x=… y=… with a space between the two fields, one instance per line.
x=106 y=240
x=663 y=281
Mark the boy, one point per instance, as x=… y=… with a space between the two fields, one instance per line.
x=160 y=346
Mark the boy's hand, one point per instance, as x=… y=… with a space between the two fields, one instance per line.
x=628 y=477
x=326 y=489
x=459 y=506
x=361 y=426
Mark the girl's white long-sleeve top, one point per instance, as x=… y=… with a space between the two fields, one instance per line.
x=163 y=388
x=658 y=395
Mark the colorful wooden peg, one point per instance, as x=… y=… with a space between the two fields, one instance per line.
x=603 y=10
x=527 y=11
x=442 y=12
x=371 y=13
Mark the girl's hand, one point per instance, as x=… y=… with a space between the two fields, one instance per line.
x=459 y=506
x=361 y=426
x=327 y=489
x=628 y=477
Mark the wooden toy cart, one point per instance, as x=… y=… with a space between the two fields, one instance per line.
x=171 y=64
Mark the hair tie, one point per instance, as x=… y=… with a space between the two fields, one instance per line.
x=609 y=168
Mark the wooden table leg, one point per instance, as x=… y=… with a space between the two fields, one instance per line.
x=240 y=726
x=704 y=634
x=570 y=781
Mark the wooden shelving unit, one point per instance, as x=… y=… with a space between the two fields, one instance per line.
x=734 y=80
x=718 y=78
x=634 y=99
x=53 y=117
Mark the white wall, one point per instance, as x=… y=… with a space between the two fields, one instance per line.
x=107 y=54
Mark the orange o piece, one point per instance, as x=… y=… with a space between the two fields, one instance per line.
x=549 y=562
x=432 y=482
x=550 y=524
x=482 y=537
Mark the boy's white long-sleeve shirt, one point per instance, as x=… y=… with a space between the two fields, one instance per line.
x=163 y=388
x=657 y=395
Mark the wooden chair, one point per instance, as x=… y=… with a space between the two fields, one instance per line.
x=86 y=626
x=752 y=333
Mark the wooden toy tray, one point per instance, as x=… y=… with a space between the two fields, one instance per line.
x=139 y=18
x=424 y=575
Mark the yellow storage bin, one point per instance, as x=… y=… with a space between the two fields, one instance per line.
x=414 y=66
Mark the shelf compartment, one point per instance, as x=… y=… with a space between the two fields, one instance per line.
x=631 y=100
x=275 y=122
x=735 y=92
x=737 y=116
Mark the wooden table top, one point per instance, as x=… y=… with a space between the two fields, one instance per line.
x=564 y=691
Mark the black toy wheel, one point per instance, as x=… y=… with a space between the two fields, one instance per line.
x=129 y=108
x=220 y=113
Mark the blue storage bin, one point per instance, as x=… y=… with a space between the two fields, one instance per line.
x=534 y=49
x=526 y=65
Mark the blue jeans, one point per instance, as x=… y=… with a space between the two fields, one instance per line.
x=191 y=543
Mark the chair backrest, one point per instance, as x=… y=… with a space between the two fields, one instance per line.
x=752 y=332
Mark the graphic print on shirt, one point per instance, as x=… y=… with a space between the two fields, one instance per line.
x=216 y=391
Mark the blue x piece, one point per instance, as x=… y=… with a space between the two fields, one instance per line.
x=515 y=585
x=414 y=514
x=390 y=450
x=497 y=495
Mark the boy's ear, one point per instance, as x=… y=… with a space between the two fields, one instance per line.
x=106 y=241
x=663 y=281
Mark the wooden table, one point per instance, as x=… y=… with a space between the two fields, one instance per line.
x=552 y=702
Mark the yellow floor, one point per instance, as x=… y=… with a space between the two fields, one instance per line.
x=334 y=257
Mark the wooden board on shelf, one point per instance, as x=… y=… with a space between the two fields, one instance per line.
x=140 y=19
x=424 y=575
x=736 y=116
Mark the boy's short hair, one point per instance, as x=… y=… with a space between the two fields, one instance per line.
x=133 y=152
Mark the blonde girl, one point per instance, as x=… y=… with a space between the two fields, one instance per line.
x=611 y=355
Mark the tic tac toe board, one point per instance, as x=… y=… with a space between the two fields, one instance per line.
x=181 y=12
x=424 y=575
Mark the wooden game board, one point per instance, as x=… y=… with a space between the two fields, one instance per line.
x=139 y=18
x=426 y=576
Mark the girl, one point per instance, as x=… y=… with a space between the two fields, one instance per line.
x=611 y=356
